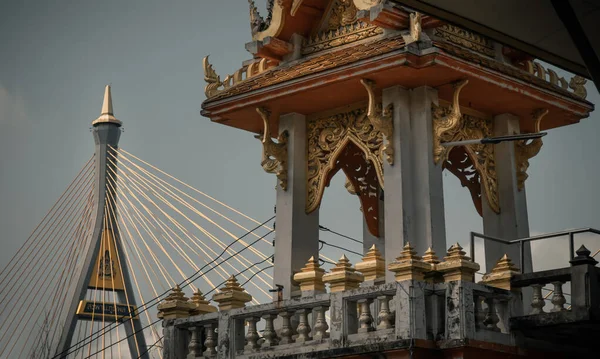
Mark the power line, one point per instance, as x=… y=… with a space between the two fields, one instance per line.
x=158 y=320
x=325 y=229
x=338 y=247
x=183 y=284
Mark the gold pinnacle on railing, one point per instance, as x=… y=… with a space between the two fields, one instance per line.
x=372 y=266
x=432 y=275
x=343 y=276
x=202 y=306
x=457 y=266
x=500 y=276
x=175 y=305
x=232 y=295
x=310 y=278
x=409 y=266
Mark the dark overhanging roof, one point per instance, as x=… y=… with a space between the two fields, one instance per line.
x=565 y=33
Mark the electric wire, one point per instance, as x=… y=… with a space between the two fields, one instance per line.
x=158 y=320
x=147 y=305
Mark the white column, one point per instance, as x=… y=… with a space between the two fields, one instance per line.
x=398 y=200
x=428 y=187
x=297 y=234
x=512 y=222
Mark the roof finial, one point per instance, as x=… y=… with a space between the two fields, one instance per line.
x=107 y=108
x=107 y=115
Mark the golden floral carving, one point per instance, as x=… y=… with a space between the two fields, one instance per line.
x=465 y=38
x=343 y=13
x=474 y=165
x=525 y=150
x=445 y=127
x=327 y=139
x=341 y=36
x=381 y=119
x=274 y=155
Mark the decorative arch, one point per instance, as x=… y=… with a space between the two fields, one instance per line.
x=346 y=141
x=473 y=165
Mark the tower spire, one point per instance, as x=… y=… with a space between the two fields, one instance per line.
x=107 y=116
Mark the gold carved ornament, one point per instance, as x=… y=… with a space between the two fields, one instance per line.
x=474 y=165
x=415 y=26
x=381 y=119
x=213 y=81
x=346 y=141
x=525 y=150
x=274 y=154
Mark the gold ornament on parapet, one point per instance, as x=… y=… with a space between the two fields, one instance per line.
x=274 y=154
x=474 y=165
x=343 y=13
x=381 y=119
x=415 y=26
x=327 y=138
x=525 y=150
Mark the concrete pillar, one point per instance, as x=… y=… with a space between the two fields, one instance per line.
x=398 y=209
x=428 y=187
x=512 y=222
x=297 y=234
x=368 y=238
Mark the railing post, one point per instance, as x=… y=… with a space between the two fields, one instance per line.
x=585 y=291
x=571 y=245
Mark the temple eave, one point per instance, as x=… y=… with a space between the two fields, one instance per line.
x=314 y=92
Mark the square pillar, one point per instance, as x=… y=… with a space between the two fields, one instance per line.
x=428 y=187
x=297 y=234
x=512 y=222
x=398 y=207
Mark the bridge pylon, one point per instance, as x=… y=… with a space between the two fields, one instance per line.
x=104 y=268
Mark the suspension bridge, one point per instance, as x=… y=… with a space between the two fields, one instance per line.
x=122 y=235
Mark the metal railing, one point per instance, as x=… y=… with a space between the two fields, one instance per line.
x=521 y=241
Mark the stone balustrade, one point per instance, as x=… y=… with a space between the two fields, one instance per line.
x=337 y=313
x=430 y=301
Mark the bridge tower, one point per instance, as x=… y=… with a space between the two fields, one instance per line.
x=104 y=268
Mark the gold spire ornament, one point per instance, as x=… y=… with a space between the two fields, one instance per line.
x=500 y=276
x=409 y=266
x=372 y=266
x=175 y=305
x=457 y=266
x=432 y=275
x=310 y=278
x=232 y=295
x=202 y=306
x=107 y=115
x=343 y=277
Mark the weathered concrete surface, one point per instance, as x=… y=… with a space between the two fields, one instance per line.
x=297 y=236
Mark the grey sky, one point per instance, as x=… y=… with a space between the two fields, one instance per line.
x=57 y=57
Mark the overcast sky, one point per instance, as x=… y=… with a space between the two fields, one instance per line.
x=58 y=56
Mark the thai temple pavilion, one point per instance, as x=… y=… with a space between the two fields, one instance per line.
x=383 y=93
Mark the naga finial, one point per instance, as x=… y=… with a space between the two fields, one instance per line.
x=525 y=151
x=274 y=156
x=211 y=78
x=381 y=119
x=445 y=126
x=256 y=21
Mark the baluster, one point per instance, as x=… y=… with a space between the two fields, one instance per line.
x=558 y=299
x=537 y=302
x=321 y=326
x=195 y=348
x=210 y=343
x=252 y=335
x=303 y=326
x=286 y=328
x=479 y=313
x=365 y=320
x=269 y=333
x=491 y=317
x=385 y=317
